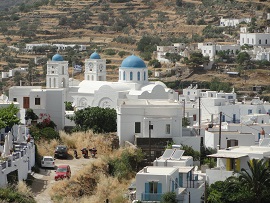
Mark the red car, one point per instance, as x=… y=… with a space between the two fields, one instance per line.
x=63 y=171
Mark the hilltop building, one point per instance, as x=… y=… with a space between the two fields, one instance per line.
x=133 y=87
x=233 y=22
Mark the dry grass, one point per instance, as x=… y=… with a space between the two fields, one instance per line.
x=24 y=189
x=78 y=140
x=92 y=183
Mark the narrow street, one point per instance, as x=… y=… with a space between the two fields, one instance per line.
x=44 y=180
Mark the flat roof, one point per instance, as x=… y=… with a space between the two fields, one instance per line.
x=157 y=170
x=227 y=155
x=185 y=169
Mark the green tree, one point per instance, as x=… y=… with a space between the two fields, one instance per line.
x=185 y=122
x=155 y=63
x=196 y=60
x=257 y=179
x=125 y=166
x=104 y=17
x=69 y=106
x=243 y=58
x=217 y=85
x=8 y=116
x=189 y=151
x=173 y=57
x=148 y=43
x=30 y=114
x=168 y=197
x=100 y=120
x=179 y=3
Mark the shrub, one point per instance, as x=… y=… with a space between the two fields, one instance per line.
x=126 y=165
x=10 y=194
x=110 y=52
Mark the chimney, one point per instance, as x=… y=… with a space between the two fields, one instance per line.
x=145 y=169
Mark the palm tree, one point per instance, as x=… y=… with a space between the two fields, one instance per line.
x=256 y=179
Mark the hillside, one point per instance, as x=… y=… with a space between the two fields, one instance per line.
x=116 y=27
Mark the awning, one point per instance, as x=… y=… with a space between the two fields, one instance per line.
x=227 y=155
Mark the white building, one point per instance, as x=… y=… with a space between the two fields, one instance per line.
x=227 y=22
x=211 y=49
x=153 y=181
x=232 y=160
x=163 y=50
x=19 y=163
x=135 y=116
x=60 y=47
x=12 y=72
x=132 y=84
x=255 y=39
x=227 y=139
x=92 y=91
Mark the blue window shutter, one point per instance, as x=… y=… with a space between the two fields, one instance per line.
x=146 y=187
x=159 y=188
x=180 y=180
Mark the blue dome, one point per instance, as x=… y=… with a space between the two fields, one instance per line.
x=57 y=57
x=133 y=62
x=95 y=55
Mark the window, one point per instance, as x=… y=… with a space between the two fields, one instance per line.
x=153 y=187
x=37 y=101
x=260 y=41
x=139 y=76
x=15 y=99
x=249 y=111
x=266 y=41
x=131 y=75
x=144 y=75
x=230 y=97
x=137 y=127
x=168 y=128
x=124 y=75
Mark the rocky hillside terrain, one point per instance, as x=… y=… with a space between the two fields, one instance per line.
x=116 y=28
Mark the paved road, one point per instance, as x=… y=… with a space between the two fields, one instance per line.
x=44 y=180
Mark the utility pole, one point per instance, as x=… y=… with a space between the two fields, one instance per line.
x=184 y=108
x=150 y=128
x=199 y=116
x=220 y=118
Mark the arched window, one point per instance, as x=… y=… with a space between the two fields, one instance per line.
x=124 y=75
x=63 y=69
x=260 y=41
x=54 y=82
x=139 y=76
x=266 y=41
x=50 y=82
x=92 y=78
x=88 y=77
x=120 y=75
x=131 y=75
x=144 y=75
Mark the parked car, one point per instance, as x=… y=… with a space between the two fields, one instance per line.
x=61 y=151
x=63 y=171
x=47 y=162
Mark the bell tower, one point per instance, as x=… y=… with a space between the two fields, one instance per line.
x=57 y=73
x=95 y=68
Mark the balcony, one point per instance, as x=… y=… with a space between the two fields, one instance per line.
x=151 y=196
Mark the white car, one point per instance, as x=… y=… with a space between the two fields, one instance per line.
x=47 y=162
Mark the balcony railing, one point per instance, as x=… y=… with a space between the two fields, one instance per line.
x=151 y=196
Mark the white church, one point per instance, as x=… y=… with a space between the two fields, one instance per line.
x=131 y=88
